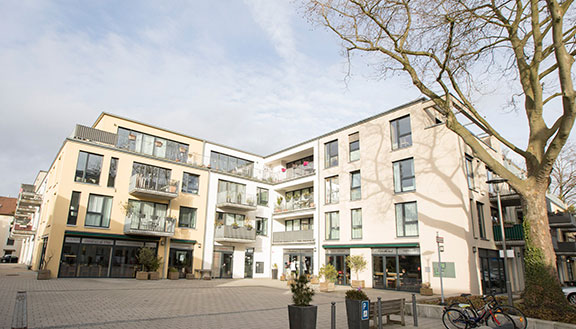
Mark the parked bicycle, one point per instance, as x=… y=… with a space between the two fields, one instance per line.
x=464 y=316
x=519 y=319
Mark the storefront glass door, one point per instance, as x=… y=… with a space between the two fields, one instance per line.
x=339 y=263
x=181 y=259
x=124 y=262
x=94 y=261
x=396 y=268
x=248 y=264
x=298 y=262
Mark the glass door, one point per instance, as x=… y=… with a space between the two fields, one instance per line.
x=226 y=266
x=339 y=263
x=391 y=272
x=93 y=261
x=68 y=260
x=378 y=272
x=248 y=264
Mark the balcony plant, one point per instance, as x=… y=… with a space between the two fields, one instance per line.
x=354 y=298
x=329 y=274
x=150 y=263
x=301 y=314
x=357 y=263
x=235 y=225
x=173 y=273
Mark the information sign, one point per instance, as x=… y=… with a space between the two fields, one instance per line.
x=365 y=309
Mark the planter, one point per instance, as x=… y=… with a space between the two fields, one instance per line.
x=154 y=276
x=327 y=286
x=190 y=276
x=43 y=275
x=354 y=314
x=426 y=292
x=302 y=317
x=173 y=275
x=314 y=280
x=357 y=284
x=289 y=282
x=141 y=275
x=274 y=274
x=283 y=277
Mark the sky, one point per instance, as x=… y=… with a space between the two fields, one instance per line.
x=252 y=74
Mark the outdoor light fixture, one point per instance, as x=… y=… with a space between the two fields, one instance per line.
x=474 y=249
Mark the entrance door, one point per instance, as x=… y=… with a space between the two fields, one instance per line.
x=339 y=263
x=492 y=268
x=226 y=265
x=248 y=264
x=181 y=259
x=68 y=260
x=391 y=272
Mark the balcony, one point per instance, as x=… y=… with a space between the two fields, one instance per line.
x=293 y=237
x=237 y=234
x=28 y=196
x=566 y=248
x=513 y=233
x=141 y=224
x=94 y=135
x=21 y=230
x=236 y=201
x=141 y=186
x=295 y=172
x=294 y=206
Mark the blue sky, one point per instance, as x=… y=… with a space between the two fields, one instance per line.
x=250 y=74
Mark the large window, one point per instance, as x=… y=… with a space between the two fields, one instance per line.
x=112 y=172
x=190 y=183
x=148 y=210
x=231 y=192
x=331 y=154
x=406 y=219
x=152 y=145
x=481 y=227
x=356 y=215
x=261 y=226
x=231 y=164
x=490 y=176
x=332 y=190
x=187 y=217
x=332 y=226
x=9 y=242
x=404 y=179
x=88 y=168
x=355 y=186
x=151 y=177
x=401 y=132
x=230 y=219
x=354 y=146
x=304 y=162
x=262 y=196
x=99 y=210
x=469 y=172
x=302 y=224
x=73 y=211
x=300 y=199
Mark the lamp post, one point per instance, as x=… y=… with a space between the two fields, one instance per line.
x=496 y=183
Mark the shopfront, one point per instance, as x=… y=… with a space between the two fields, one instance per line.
x=86 y=257
x=181 y=258
x=298 y=261
x=492 y=267
x=337 y=257
x=222 y=262
x=396 y=268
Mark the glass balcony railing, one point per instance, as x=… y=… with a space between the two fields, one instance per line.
x=236 y=200
x=306 y=236
x=142 y=224
x=294 y=205
x=153 y=187
x=231 y=233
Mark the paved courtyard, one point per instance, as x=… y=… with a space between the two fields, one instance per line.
x=128 y=303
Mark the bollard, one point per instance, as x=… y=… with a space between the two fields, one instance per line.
x=414 y=310
x=333 y=320
x=379 y=313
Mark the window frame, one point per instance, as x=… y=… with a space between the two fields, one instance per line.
x=403 y=219
x=83 y=178
x=481 y=220
x=469 y=165
x=356 y=226
x=259 y=199
x=330 y=218
x=330 y=159
x=331 y=190
x=189 y=175
x=101 y=213
x=194 y=211
x=354 y=151
x=402 y=178
x=71 y=210
x=353 y=188
x=263 y=229
x=112 y=172
x=395 y=132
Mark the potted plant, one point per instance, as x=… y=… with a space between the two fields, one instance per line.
x=235 y=225
x=150 y=263
x=43 y=272
x=354 y=299
x=301 y=314
x=248 y=225
x=173 y=273
x=329 y=273
x=275 y=272
x=425 y=289
x=356 y=263
x=279 y=201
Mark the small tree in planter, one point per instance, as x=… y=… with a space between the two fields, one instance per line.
x=329 y=273
x=301 y=314
x=357 y=264
x=173 y=273
x=150 y=263
x=43 y=272
x=354 y=298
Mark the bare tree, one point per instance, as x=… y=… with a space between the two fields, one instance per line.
x=447 y=48
x=563 y=177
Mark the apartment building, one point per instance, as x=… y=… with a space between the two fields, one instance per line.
x=7 y=210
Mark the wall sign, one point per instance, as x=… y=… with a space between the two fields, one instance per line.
x=448 y=270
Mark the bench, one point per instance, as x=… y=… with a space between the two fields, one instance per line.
x=389 y=307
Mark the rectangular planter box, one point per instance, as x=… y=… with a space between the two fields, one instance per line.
x=154 y=276
x=43 y=275
x=190 y=276
x=173 y=275
x=141 y=275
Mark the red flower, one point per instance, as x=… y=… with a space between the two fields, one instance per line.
x=283 y=169
x=305 y=163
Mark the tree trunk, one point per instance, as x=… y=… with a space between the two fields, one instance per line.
x=543 y=293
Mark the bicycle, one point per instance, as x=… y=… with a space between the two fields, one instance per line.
x=519 y=319
x=464 y=317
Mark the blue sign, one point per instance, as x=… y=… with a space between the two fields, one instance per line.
x=365 y=309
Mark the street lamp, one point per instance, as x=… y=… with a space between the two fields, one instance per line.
x=496 y=183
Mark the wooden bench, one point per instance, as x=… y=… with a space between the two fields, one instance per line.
x=389 y=307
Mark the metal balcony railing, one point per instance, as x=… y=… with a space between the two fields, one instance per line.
x=142 y=224
x=95 y=135
x=566 y=247
x=165 y=189
x=513 y=233
x=293 y=236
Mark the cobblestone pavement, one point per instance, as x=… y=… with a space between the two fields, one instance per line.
x=128 y=303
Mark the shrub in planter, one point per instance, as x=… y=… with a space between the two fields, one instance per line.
x=354 y=298
x=150 y=262
x=425 y=289
x=301 y=314
x=329 y=273
x=173 y=273
x=357 y=264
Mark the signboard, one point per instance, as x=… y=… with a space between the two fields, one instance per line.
x=448 y=269
x=129 y=243
x=97 y=241
x=337 y=251
x=365 y=309
x=509 y=253
x=439 y=239
x=151 y=245
x=72 y=240
x=409 y=251
x=384 y=251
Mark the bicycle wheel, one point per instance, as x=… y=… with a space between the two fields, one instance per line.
x=455 y=319
x=520 y=320
x=500 y=320
x=466 y=309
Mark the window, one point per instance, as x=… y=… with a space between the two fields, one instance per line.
x=404 y=179
x=332 y=189
x=151 y=177
x=332 y=226
x=261 y=226
x=401 y=133
x=307 y=162
x=99 y=209
x=354 y=140
x=229 y=219
x=190 y=183
x=481 y=228
x=231 y=164
x=474 y=234
x=262 y=196
x=300 y=199
x=147 y=210
x=331 y=154
x=10 y=242
x=112 y=172
x=406 y=219
x=187 y=217
x=230 y=192
x=469 y=172
x=88 y=168
x=73 y=211
x=152 y=145
x=356 y=223
x=355 y=183
x=303 y=224
x=489 y=177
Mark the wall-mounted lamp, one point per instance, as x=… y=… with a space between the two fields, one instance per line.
x=162 y=242
x=199 y=245
x=474 y=249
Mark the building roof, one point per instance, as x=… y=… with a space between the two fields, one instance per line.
x=7 y=205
